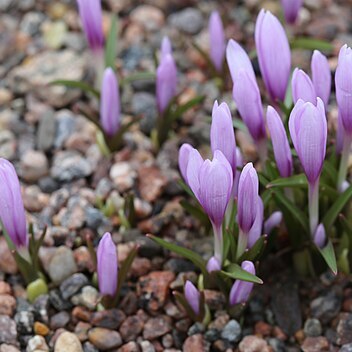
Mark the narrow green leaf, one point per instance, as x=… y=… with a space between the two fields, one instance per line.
x=125 y=267
x=76 y=85
x=311 y=44
x=343 y=262
x=236 y=272
x=336 y=208
x=240 y=125
x=328 y=254
x=185 y=187
x=292 y=181
x=180 y=110
x=330 y=171
x=110 y=49
x=257 y=249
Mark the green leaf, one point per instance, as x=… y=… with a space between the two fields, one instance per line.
x=139 y=76
x=328 y=254
x=110 y=49
x=186 y=188
x=330 y=171
x=195 y=258
x=311 y=44
x=240 y=125
x=125 y=267
x=292 y=181
x=336 y=208
x=76 y=85
x=343 y=262
x=234 y=271
x=180 y=110
x=256 y=250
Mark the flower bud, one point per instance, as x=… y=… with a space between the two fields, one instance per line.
x=302 y=87
x=320 y=236
x=192 y=296
x=217 y=40
x=166 y=48
x=273 y=220
x=213 y=265
x=256 y=230
x=291 y=9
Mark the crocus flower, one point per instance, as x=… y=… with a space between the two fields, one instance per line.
x=183 y=157
x=110 y=103
x=192 y=296
x=321 y=76
x=166 y=82
x=166 y=48
x=213 y=265
x=211 y=183
x=12 y=213
x=91 y=18
x=339 y=134
x=320 y=236
x=256 y=230
x=107 y=266
x=291 y=9
x=279 y=139
x=308 y=129
x=241 y=290
x=222 y=135
x=273 y=221
x=217 y=40
x=273 y=54
x=302 y=87
x=239 y=163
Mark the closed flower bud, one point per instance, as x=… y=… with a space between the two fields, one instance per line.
x=217 y=40
x=213 y=265
x=92 y=23
x=302 y=87
x=12 y=213
x=256 y=230
x=222 y=135
x=107 y=266
x=321 y=76
x=273 y=221
x=320 y=236
x=166 y=82
x=192 y=296
x=166 y=48
x=308 y=129
x=248 y=188
x=273 y=53
x=291 y=9
x=110 y=103
x=183 y=157
x=280 y=143
x=343 y=84
x=241 y=290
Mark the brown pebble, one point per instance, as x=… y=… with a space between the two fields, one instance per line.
x=299 y=336
x=5 y=288
x=263 y=329
x=279 y=334
x=7 y=304
x=315 y=344
x=81 y=330
x=81 y=313
x=129 y=347
x=41 y=329
x=157 y=327
x=109 y=319
x=195 y=343
x=104 y=339
x=131 y=328
x=253 y=343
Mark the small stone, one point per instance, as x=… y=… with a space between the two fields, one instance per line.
x=253 y=343
x=156 y=327
x=344 y=348
x=131 y=328
x=7 y=145
x=214 y=299
x=344 y=329
x=312 y=328
x=144 y=104
x=37 y=343
x=8 y=348
x=54 y=33
x=46 y=131
x=57 y=301
x=104 y=339
x=147 y=16
x=325 y=308
x=59 y=320
x=62 y=265
x=147 y=346
x=129 y=347
x=89 y=298
x=7 y=304
x=189 y=20
x=315 y=344
x=33 y=165
x=151 y=183
x=122 y=175
x=109 y=319
x=262 y=329
x=40 y=329
x=8 y=330
x=7 y=261
x=68 y=342
x=5 y=288
x=31 y=22
x=72 y=285
x=195 y=343
x=25 y=321
x=232 y=331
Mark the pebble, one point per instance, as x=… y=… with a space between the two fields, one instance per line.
x=315 y=344
x=232 y=331
x=151 y=183
x=62 y=265
x=104 y=339
x=122 y=176
x=131 y=328
x=253 y=343
x=147 y=16
x=195 y=343
x=66 y=123
x=8 y=330
x=325 y=308
x=89 y=297
x=312 y=328
x=144 y=105
x=109 y=319
x=156 y=327
x=37 y=343
x=344 y=348
x=147 y=346
x=7 y=145
x=41 y=329
x=46 y=131
x=214 y=299
x=189 y=20
x=72 y=285
x=33 y=165
x=24 y=321
x=8 y=348
x=31 y=22
x=57 y=301
x=129 y=347
x=68 y=342
x=7 y=304
x=34 y=200
x=344 y=329
x=59 y=320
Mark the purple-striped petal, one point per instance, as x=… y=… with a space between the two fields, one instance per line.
x=302 y=87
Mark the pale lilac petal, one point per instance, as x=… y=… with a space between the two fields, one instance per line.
x=302 y=87
x=195 y=162
x=192 y=296
x=291 y=9
x=320 y=236
x=256 y=230
x=183 y=157
x=166 y=48
x=273 y=221
x=217 y=40
x=213 y=265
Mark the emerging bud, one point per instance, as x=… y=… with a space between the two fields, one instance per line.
x=291 y=9
x=183 y=157
x=321 y=76
x=308 y=129
x=217 y=40
x=166 y=48
x=192 y=296
x=241 y=290
x=302 y=87
x=320 y=236
x=91 y=18
x=12 y=213
x=280 y=143
x=256 y=230
x=110 y=103
x=213 y=265
x=273 y=54
x=273 y=221
x=107 y=266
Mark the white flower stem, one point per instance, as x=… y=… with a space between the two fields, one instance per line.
x=347 y=139
x=313 y=205
x=242 y=243
x=218 y=242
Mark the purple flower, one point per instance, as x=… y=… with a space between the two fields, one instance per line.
x=110 y=103
x=320 y=236
x=291 y=9
x=192 y=296
x=213 y=265
x=273 y=54
x=12 y=213
x=183 y=157
x=166 y=82
x=343 y=83
x=241 y=290
x=308 y=129
x=91 y=18
x=107 y=266
x=321 y=76
x=166 y=48
x=339 y=134
x=273 y=220
x=211 y=182
x=302 y=87
x=256 y=230
x=247 y=207
x=222 y=135
x=217 y=40
x=281 y=146
x=239 y=163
